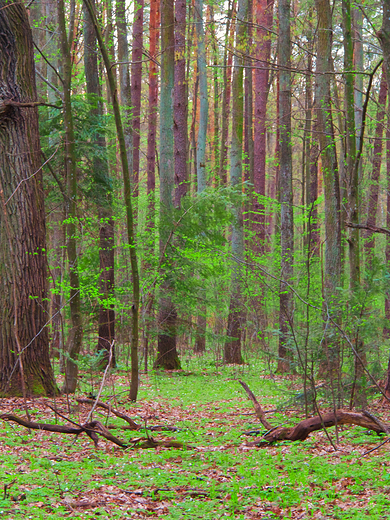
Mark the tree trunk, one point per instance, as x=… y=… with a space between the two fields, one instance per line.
x=102 y=196
x=136 y=88
x=167 y=357
x=75 y=335
x=285 y=183
x=232 y=353
x=264 y=15
x=127 y=197
x=24 y=341
x=332 y=271
x=180 y=109
x=376 y=169
x=227 y=74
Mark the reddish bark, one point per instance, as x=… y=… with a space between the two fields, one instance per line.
x=153 y=94
x=136 y=87
x=228 y=61
x=180 y=104
x=264 y=14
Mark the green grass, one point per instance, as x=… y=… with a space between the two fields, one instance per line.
x=53 y=476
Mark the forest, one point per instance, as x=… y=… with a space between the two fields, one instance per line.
x=195 y=196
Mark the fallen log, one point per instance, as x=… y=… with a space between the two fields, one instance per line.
x=302 y=430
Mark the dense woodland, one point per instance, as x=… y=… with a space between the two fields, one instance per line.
x=195 y=177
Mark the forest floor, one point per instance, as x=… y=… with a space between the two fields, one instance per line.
x=216 y=475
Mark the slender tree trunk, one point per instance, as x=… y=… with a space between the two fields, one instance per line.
x=180 y=110
x=24 y=342
x=376 y=169
x=216 y=136
x=75 y=334
x=102 y=196
x=124 y=80
x=136 y=87
x=227 y=74
x=232 y=353
x=286 y=193
x=127 y=197
x=167 y=356
x=203 y=98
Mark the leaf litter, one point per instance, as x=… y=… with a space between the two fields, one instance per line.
x=217 y=474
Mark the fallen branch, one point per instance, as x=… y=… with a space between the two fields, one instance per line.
x=258 y=409
x=301 y=431
x=93 y=429
x=133 y=425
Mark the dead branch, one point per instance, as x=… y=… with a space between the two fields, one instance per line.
x=92 y=429
x=133 y=425
x=369 y=227
x=302 y=430
x=258 y=409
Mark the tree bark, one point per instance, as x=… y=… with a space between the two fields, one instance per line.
x=102 y=195
x=286 y=193
x=24 y=342
x=136 y=88
x=232 y=352
x=75 y=335
x=264 y=15
x=376 y=169
x=167 y=356
x=180 y=110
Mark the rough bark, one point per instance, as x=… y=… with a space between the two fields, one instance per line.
x=167 y=357
x=232 y=351
x=285 y=183
x=264 y=14
x=136 y=87
x=24 y=342
x=203 y=98
x=180 y=110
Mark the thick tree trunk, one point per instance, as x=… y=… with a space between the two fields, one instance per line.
x=167 y=357
x=232 y=353
x=24 y=342
x=285 y=183
x=102 y=197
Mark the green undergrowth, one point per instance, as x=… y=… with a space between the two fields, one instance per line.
x=214 y=476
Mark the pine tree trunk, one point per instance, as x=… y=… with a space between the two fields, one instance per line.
x=285 y=183
x=264 y=14
x=136 y=88
x=24 y=342
x=180 y=109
